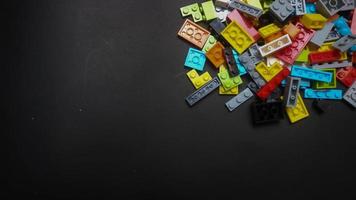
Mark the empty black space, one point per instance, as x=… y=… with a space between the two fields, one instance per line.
x=97 y=111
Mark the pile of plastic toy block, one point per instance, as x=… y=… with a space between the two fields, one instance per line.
x=274 y=53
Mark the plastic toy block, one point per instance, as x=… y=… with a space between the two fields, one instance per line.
x=246 y=8
x=268 y=88
x=275 y=45
x=242 y=70
x=300 y=7
x=333 y=35
x=289 y=54
x=353 y=22
x=342 y=27
x=329 y=47
x=222 y=3
x=221 y=13
x=298 y=112
x=346 y=75
x=271 y=60
x=193 y=10
x=209 y=43
x=244 y=22
x=194 y=33
x=291 y=30
x=208 y=9
x=345 y=43
x=233 y=91
x=217 y=26
x=227 y=82
x=263 y=112
x=230 y=61
x=336 y=64
x=320 y=36
x=253 y=87
x=323 y=85
x=303 y=83
x=239 y=99
x=291 y=91
x=311 y=8
x=313 y=21
x=250 y=67
x=274 y=37
x=350 y=95
x=275 y=95
x=266 y=4
x=238 y=38
x=253 y=54
x=322 y=94
x=282 y=9
x=268 y=30
x=255 y=3
x=311 y=74
x=303 y=56
x=195 y=59
x=350 y=5
x=329 y=8
x=202 y=92
x=320 y=105
x=216 y=55
x=268 y=72
x=324 y=56
x=197 y=80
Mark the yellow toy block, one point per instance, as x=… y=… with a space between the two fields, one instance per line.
x=268 y=30
x=238 y=38
x=233 y=91
x=197 y=80
x=329 y=47
x=298 y=112
x=209 y=43
x=268 y=72
x=313 y=21
x=226 y=81
x=255 y=3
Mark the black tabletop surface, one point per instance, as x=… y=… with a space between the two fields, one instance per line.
x=97 y=110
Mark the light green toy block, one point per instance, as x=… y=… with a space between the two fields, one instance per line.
x=228 y=82
x=193 y=10
x=208 y=9
x=303 y=56
x=210 y=42
x=324 y=85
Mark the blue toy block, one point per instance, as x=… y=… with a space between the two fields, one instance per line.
x=333 y=94
x=303 y=84
x=311 y=74
x=342 y=27
x=195 y=59
x=311 y=8
x=240 y=67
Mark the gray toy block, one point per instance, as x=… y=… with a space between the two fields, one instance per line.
x=253 y=87
x=222 y=3
x=300 y=7
x=246 y=8
x=336 y=64
x=329 y=8
x=333 y=35
x=291 y=91
x=253 y=54
x=350 y=95
x=350 y=5
x=320 y=36
x=282 y=9
x=345 y=43
x=203 y=91
x=239 y=99
x=250 y=68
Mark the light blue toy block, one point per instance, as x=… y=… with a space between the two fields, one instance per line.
x=342 y=27
x=311 y=74
x=333 y=94
x=195 y=59
x=240 y=67
x=311 y=8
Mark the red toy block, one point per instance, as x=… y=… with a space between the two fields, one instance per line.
x=290 y=53
x=245 y=23
x=323 y=57
x=270 y=86
x=346 y=75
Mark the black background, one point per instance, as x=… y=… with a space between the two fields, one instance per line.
x=97 y=110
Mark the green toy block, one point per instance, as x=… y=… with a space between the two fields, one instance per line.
x=209 y=43
x=193 y=10
x=303 y=56
x=208 y=9
x=324 y=85
x=228 y=82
